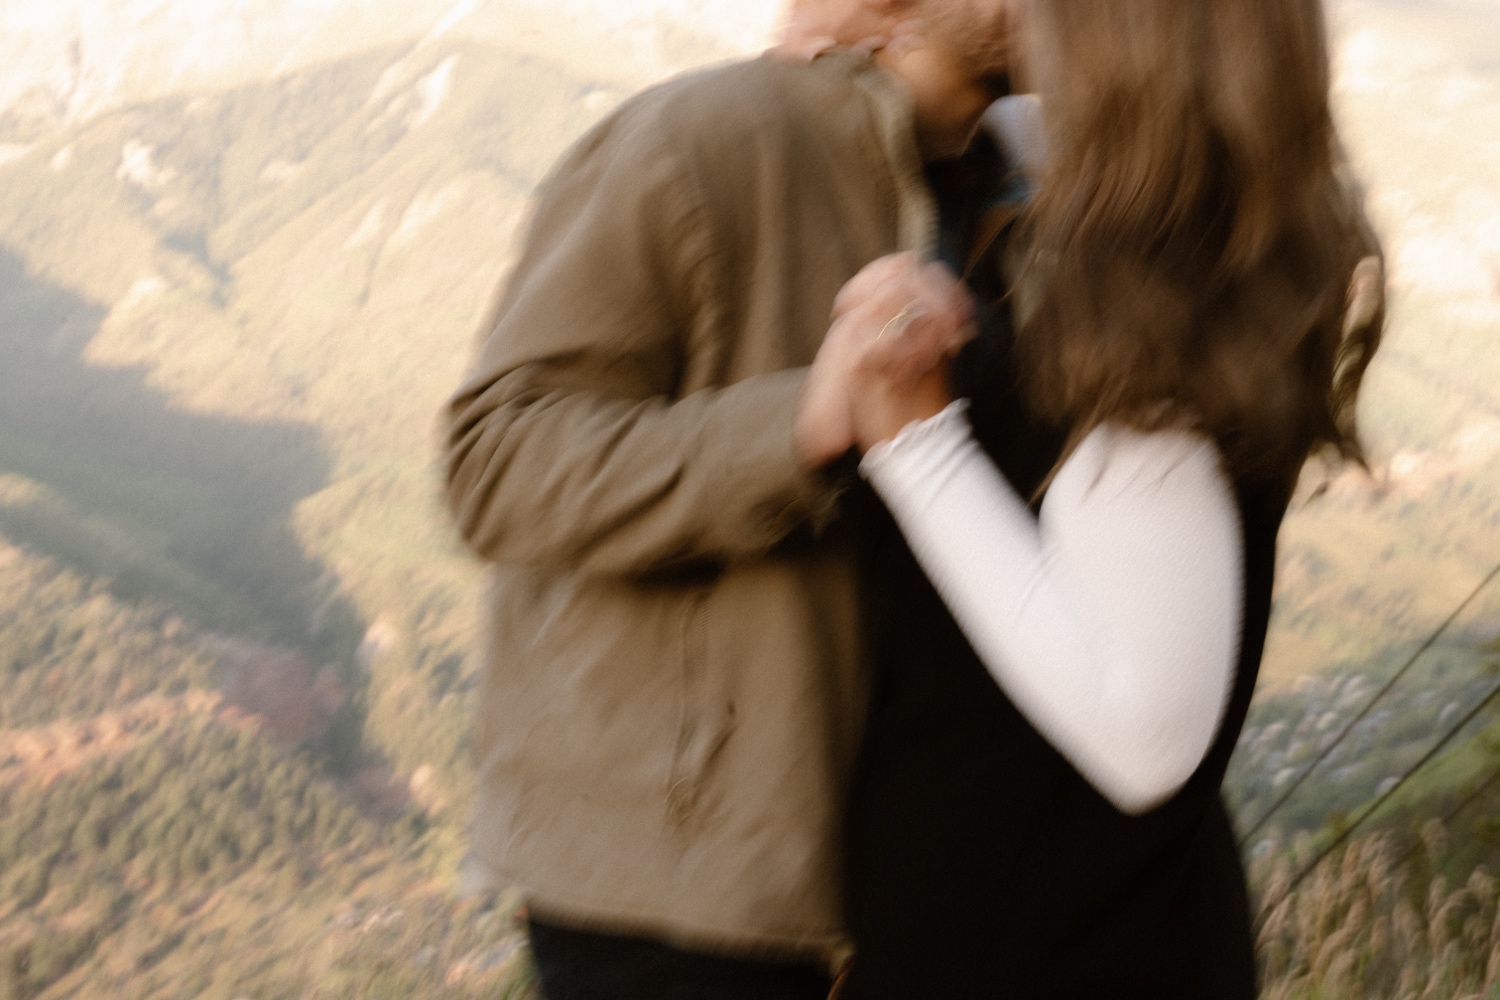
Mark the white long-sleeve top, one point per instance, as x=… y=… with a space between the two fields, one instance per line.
x=1113 y=620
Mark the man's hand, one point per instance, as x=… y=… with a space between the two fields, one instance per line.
x=904 y=316
x=825 y=413
x=882 y=365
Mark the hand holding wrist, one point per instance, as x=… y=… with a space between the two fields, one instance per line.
x=883 y=363
x=824 y=426
x=883 y=408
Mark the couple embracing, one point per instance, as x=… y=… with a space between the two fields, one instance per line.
x=880 y=479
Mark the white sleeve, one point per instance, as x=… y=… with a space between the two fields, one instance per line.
x=1112 y=622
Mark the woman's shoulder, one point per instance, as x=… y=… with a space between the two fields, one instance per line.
x=1172 y=465
x=1115 y=453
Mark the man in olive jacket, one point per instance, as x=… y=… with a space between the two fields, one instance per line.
x=672 y=696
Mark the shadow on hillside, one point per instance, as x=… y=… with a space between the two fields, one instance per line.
x=188 y=510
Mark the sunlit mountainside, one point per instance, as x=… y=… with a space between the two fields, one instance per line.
x=1373 y=562
x=244 y=250
x=74 y=59
x=235 y=632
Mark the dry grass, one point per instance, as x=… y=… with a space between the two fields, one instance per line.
x=1367 y=924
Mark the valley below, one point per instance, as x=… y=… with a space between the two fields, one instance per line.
x=238 y=659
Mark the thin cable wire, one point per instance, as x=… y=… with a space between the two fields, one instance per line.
x=1379 y=695
x=1484 y=786
x=1468 y=801
x=1371 y=810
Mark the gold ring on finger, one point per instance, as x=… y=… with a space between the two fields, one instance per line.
x=904 y=318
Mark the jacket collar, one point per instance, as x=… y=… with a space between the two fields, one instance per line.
x=895 y=126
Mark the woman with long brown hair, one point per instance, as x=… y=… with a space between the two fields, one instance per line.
x=1069 y=569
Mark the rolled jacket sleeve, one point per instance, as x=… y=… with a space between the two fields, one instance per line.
x=573 y=442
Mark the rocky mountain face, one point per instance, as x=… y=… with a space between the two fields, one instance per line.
x=243 y=252
x=244 y=248
x=71 y=60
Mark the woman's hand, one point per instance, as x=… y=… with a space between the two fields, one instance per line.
x=908 y=318
x=883 y=364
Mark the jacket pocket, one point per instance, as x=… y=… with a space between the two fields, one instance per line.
x=705 y=716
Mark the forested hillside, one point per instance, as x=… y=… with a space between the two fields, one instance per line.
x=245 y=433
x=236 y=632
x=235 y=626
x=160 y=840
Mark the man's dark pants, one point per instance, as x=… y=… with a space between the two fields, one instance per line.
x=577 y=965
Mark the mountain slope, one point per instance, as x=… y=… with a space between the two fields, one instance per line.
x=230 y=310
x=296 y=269
x=160 y=839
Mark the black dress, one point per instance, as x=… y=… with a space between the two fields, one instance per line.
x=980 y=863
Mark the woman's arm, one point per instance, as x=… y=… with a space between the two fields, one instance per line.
x=1113 y=622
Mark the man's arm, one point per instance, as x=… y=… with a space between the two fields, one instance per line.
x=569 y=444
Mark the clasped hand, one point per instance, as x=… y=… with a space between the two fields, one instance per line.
x=883 y=364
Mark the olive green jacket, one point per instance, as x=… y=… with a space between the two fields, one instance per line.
x=672 y=697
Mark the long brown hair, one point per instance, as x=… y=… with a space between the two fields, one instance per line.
x=1193 y=245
